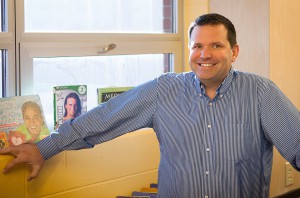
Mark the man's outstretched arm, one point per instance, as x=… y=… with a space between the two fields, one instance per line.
x=24 y=154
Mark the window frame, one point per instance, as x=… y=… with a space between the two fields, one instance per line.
x=35 y=45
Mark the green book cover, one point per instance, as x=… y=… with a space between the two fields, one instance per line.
x=22 y=120
x=69 y=101
x=106 y=93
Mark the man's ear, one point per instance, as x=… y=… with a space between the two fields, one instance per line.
x=235 y=52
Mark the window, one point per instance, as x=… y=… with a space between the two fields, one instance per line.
x=98 y=43
x=3 y=16
x=126 y=16
x=2 y=29
x=3 y=72
x=7 y=71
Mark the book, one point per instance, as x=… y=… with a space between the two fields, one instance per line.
x=69 y=101
x=106 y=93
x=149 y=190
x=132 y=196
x=144 y=194
x=22 y=120
x=153 y=185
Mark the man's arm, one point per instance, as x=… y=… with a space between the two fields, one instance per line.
x=128 y=112
x=24 y=154
x=281 y=123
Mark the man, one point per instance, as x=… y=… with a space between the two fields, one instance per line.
x=216 y=127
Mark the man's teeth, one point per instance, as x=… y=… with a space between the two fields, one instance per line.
x=206 y=65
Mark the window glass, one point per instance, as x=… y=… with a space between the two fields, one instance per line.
x=122 y=16
x=95 y=72
x=3 y=16
x=3 y=65
x=1 y=73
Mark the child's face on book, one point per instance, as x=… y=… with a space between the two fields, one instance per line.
x=33 y=121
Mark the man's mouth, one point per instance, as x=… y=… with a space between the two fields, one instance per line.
x=206 y=64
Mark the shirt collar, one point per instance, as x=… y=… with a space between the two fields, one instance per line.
x=222 y=88
x=227 y=82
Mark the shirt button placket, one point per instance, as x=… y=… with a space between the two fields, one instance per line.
x=208 y=144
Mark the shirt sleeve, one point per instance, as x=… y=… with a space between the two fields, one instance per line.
x=127 y=112
x=281 y=123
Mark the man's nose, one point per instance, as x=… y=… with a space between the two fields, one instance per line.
x=205 y=53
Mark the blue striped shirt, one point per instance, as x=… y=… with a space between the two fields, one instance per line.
x=209 y=148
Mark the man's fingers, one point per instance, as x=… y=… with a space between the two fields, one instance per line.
x=9 y=165
x=25 y=154
x=12 y=163
x=6 y=150
x=34 y=172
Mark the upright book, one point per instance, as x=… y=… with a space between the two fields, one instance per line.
x=70 y=101
x=106 y=93
x=22 y=120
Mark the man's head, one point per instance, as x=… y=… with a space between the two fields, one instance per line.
x=72 y=106
x=213 y=48
x=32 y=116
x=215 y=19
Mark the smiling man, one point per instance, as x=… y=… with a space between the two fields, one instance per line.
x=211 y=54
x=216 y=127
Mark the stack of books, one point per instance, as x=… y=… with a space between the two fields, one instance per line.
x=146 y=192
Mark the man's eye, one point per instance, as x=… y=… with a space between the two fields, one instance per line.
x=197 y=46
x=216 y=46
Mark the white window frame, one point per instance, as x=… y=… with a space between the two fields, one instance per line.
x=35 y=45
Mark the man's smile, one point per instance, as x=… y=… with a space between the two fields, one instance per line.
x=206 y=64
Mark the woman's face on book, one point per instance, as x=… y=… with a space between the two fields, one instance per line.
x=33 y=121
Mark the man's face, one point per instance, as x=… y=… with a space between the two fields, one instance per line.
x=33 y=121
x=71 y=107
x=211 y=54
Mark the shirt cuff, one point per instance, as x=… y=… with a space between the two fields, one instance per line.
x=47 y=147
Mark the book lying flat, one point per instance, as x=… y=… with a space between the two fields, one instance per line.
x=149 y=190
x=150 y=195
x=132 y=197
x=22 y=120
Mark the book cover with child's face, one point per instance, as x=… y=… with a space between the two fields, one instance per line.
x=21 y=120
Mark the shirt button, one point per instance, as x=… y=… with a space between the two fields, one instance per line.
x=206 y=172
x=207 y=149
x=210 y=104
x=221 y=96
x=200 y=94
x=209 y=126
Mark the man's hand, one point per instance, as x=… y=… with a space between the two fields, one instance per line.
x=24 y=154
